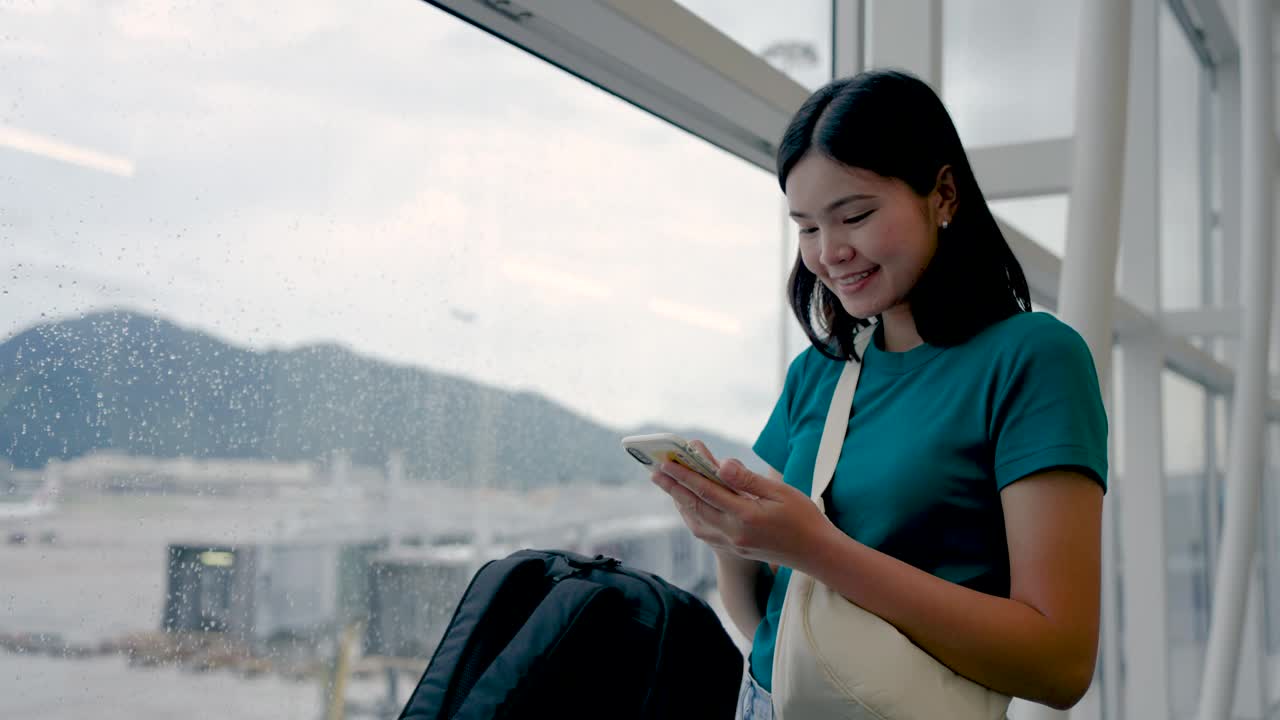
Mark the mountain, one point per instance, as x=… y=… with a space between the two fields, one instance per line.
x=138 y=384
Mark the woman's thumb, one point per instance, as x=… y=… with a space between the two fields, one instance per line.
x=737 y=476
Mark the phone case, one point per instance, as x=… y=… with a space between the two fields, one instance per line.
x=651 y=450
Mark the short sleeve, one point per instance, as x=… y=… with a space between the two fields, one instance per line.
x=1048 y=410
x=774 y=443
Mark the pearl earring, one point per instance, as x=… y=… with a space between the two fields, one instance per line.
x=945 y=224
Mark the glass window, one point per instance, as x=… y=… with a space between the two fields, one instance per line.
x=793 y=35
x=1184 y=424
x=1008 y=69
x=1182 y=260
x=299 y=329
x=1042 y=218
x=1186 y=537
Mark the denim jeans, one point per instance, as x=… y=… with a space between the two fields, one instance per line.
x=754 y=702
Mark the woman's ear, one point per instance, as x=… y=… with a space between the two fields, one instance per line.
x=944 y=198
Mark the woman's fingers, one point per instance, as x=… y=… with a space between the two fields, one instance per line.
x=700 y=517
x=689 y=501
x=704 y=452
x=662 y=480
x=708 y=491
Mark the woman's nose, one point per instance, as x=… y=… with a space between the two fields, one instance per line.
x=835 y=252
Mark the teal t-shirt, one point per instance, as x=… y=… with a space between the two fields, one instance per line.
x=935 y=434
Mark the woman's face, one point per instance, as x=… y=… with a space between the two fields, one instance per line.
x=866 y=237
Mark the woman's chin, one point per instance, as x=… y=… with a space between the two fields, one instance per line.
x=862 y=309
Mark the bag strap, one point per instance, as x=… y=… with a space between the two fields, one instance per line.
x=837 y=426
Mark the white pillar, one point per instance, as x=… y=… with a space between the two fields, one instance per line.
x=1267 y=559
x=1250 y=696
x=1141 y=489
x=1229 y=218
x=847 y=43
x=1245 y=458
x=1270 y=548
x=1087 y=287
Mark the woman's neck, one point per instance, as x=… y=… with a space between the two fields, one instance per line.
x=900 y=333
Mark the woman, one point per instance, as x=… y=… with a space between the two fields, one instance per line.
x=966 y=506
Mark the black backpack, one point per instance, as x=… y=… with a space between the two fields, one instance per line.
x=558 y=635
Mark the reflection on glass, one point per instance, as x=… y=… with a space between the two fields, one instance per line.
x=1008 y=69
x=793 y=35
x=308 y=312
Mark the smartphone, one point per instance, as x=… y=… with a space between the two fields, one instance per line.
x=653 y=450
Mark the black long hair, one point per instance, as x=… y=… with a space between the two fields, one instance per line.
x=891 y=123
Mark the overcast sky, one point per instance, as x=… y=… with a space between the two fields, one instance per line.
x=385 y=176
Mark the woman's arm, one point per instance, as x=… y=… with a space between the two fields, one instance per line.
x=1041 y=642
x=740 y=582
x=744 y=585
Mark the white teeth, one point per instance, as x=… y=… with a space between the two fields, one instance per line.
x=855 y=278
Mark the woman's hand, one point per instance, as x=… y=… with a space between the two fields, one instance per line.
x=754 y=517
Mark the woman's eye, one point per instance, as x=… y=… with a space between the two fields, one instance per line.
x=858 y=218
x=808 y=231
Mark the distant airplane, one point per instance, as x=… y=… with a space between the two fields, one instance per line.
x=42 y=502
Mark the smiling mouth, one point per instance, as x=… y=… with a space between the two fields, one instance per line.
x=855 y=281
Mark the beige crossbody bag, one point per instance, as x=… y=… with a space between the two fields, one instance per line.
x=835 y=660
